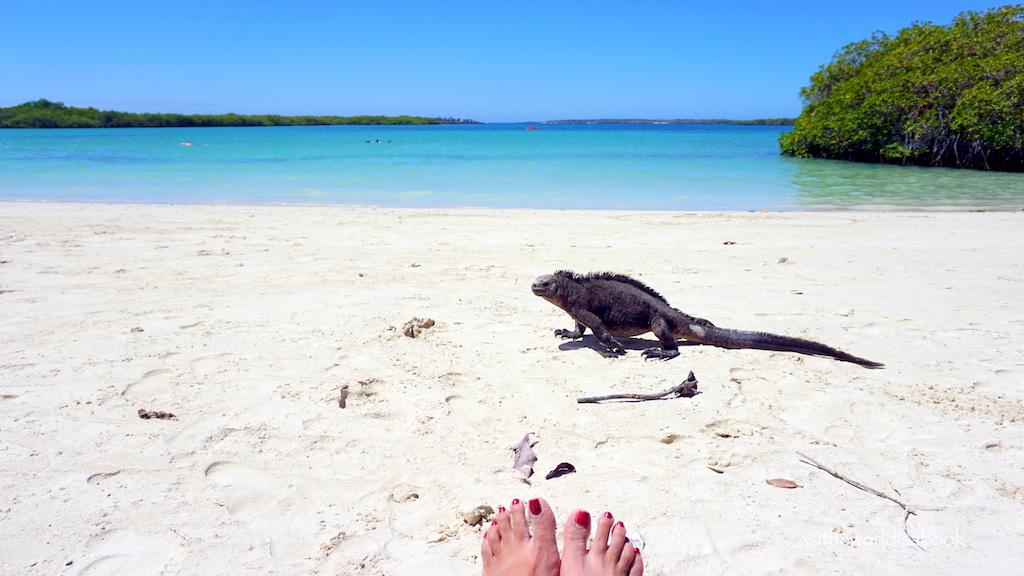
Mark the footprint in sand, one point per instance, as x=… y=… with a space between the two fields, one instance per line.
x=1010 y=454
x=360 y=362
x=128 y=552
x=740 y=374
x=786 y=357
x=466 y=412
x=459 y=403
x=265 y=504
x=1002 y=381
x=457 y=382
x=756 y=389
x=730 y=443
x=254 y=495
x=240 y=475
x=153 y=384
x=741 y=541
x=183 y=322
x=463 y=402
x=343 y=551
x=197 y=430
x=204 y=368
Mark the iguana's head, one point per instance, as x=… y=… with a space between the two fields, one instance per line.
x=545 y=286
x=550 y=287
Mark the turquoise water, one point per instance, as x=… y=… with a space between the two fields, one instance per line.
x=592 y=166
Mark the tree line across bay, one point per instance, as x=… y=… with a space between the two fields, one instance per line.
x=46 y=114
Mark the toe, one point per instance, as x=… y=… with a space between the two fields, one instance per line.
x=502 y=525
x=542 y=518
x=575 y=535
x=626 y=558
x=638 y=564
x=517 y=514
x=487 y=547
x=617 y=541
x=604 y=529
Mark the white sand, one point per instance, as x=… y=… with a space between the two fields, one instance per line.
x=245 y=322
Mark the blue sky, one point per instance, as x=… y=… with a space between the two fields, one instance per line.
x=490 y=60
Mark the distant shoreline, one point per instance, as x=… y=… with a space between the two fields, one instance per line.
x=757 y=122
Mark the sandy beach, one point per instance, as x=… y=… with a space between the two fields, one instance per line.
x=312 y=436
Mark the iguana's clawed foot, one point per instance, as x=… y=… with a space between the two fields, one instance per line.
x=659 y=354
x=568 y=334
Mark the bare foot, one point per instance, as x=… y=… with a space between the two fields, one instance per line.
x=510 y=550
x=612 y=554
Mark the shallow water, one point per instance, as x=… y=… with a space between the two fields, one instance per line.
x=589 y=166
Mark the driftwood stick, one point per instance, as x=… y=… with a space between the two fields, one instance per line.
x=906 y=509
x=686 y=389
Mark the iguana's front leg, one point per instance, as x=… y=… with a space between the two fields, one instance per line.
x=572 y=335
x=586 y=319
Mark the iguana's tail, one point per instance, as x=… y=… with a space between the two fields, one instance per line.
x=728 y=338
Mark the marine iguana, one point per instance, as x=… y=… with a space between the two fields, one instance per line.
x=617 y=305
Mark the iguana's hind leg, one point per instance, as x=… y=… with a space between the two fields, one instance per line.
x=669 y=346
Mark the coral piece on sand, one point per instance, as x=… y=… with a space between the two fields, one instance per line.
x=413 y=328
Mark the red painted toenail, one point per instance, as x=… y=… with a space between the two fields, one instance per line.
x=501 y=509
x=607 y=514
x=583 y=518
x=535 y=508
x=515 y=501
x=620 y=524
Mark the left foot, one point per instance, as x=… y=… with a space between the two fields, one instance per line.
x=509 y=549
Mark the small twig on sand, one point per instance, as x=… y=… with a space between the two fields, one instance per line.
x=908 y=511
x=687 y=389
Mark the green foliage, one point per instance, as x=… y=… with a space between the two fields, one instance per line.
x=931 y=95
x=46 y=114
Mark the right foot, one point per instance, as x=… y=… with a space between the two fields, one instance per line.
x=612 y=554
